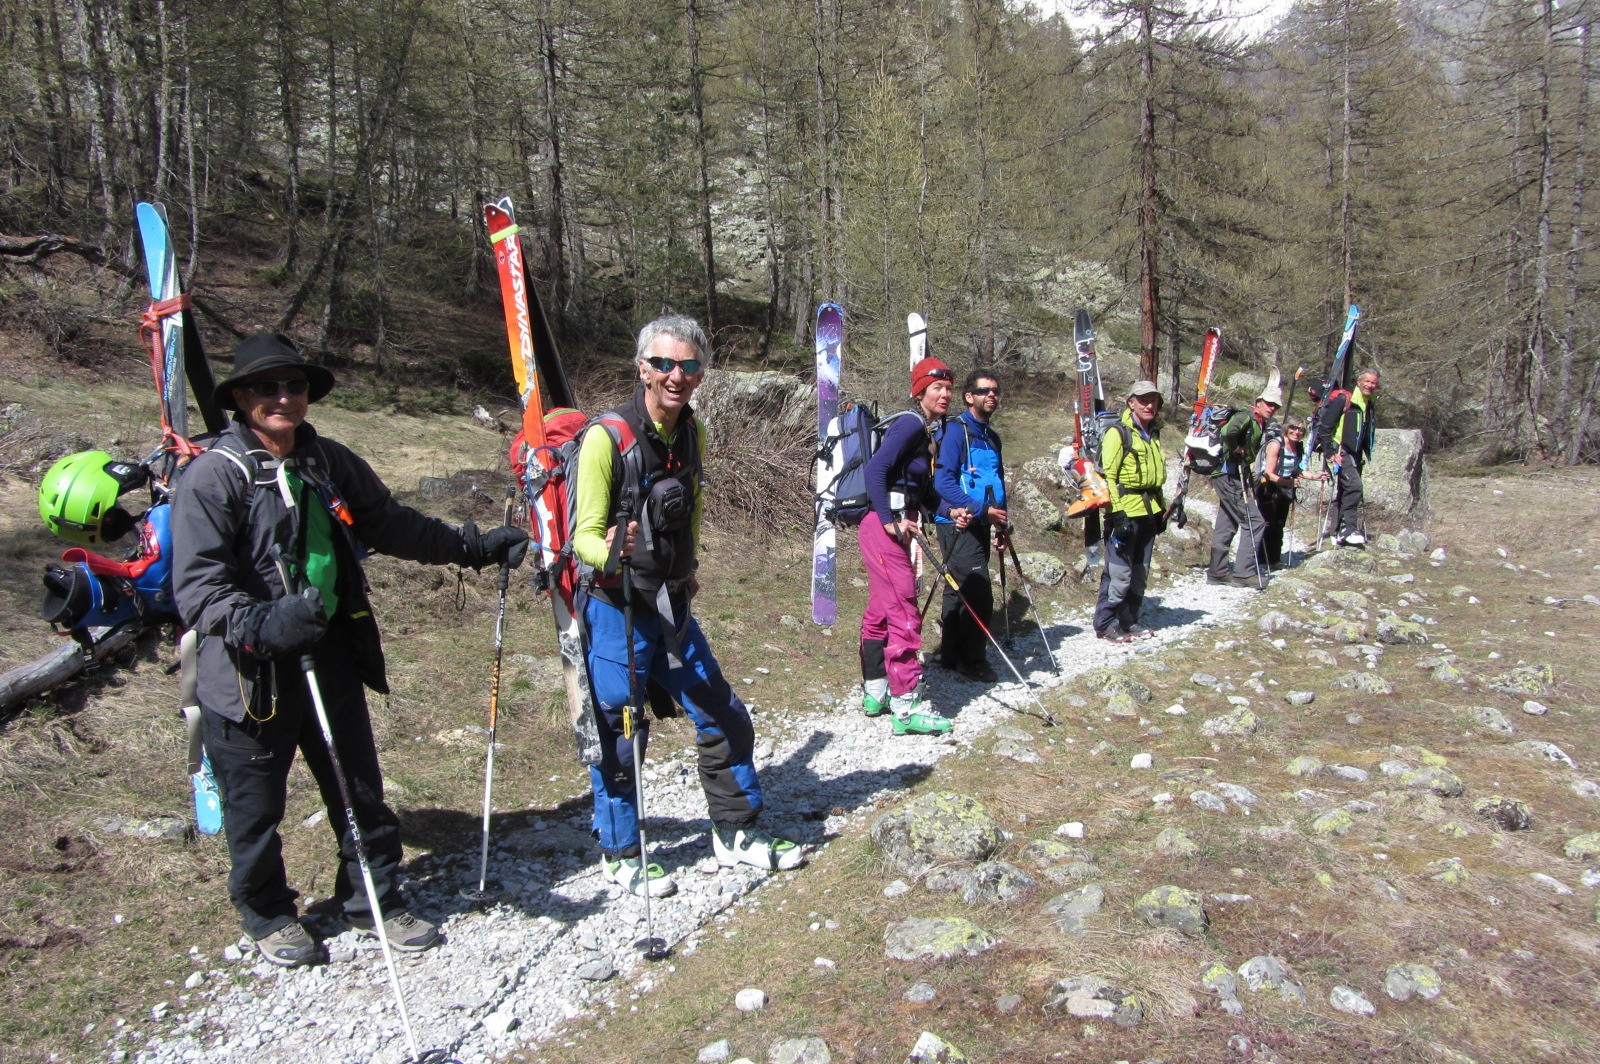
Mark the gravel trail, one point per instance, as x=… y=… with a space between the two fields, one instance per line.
x=516 y=971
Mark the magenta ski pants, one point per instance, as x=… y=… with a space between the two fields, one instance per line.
x=891 y=616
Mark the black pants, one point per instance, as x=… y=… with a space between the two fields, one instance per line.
x=966 y=556
x=1274 y=507
x=251 y=761
x=1348 y=497
x=1236 y=514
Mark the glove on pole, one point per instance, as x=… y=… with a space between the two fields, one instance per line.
x=309 y=667
x=502 y=583
x=938 y=565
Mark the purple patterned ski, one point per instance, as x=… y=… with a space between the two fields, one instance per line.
x=824 y=542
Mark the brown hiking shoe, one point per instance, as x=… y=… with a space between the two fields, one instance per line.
x=405 y=932
x=289 y=947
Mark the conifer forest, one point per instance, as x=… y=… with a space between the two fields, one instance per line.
x=982 y=162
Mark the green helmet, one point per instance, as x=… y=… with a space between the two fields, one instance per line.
x=78 y=498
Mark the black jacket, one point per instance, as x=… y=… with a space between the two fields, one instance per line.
x=223 y=531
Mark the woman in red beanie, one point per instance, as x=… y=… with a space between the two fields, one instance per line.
x=899 y=482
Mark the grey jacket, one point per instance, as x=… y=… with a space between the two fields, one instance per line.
x=223 y=531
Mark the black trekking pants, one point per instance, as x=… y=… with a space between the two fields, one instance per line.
x=966 y=556
x=1347 y=498
x=251 y=762
x=1274 y=506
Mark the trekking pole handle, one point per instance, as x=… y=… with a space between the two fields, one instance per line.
x=504 y=579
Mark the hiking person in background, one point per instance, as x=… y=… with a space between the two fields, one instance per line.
x=1135 y=469
x=1236 y=511
x=658 y=518
x=1278 y=474
x=970 y=478
x=230 y=527
x=899 y=476
x=1347 y=432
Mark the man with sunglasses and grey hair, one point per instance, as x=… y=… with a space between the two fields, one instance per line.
x=237 y=543
x=636 y=523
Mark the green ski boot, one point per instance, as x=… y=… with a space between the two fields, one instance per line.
x=914 y=716
x=875 y=698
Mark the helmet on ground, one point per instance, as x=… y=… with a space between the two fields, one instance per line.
x=78 y=497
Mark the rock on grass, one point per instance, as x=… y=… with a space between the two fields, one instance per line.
x=1175 y=907
x=935 y=938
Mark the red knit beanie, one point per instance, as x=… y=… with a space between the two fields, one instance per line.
x=926 y=372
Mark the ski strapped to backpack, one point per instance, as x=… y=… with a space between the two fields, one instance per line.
x=1203 y=445
x=853 y=437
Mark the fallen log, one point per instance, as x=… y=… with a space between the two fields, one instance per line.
x=62 y=664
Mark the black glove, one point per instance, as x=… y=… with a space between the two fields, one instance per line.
x=286 y=626
x=501 y=546
x=1121 y=528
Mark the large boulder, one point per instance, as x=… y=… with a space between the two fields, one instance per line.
x=1396 y=477
x=935 y=829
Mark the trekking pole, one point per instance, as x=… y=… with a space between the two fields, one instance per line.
x=502 y=582
x=1027 y=589
x=308 y=666
x=653 y=948
x=938 y=565
x=1247 y=503
x=1005 y=597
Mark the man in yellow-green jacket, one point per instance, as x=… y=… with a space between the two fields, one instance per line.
x=1135 y=470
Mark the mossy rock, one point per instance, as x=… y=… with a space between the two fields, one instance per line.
x=936 y=828
x=1176 y=907
x=1527 y=680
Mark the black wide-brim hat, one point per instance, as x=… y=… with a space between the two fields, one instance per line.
x=270 y=350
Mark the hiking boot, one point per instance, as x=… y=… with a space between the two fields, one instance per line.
x=752 y=846
x=1355 y=539
x=921 y=723
x=1115 y=634
x=289 y=947
x=1213 y=578
x=406 y=933
x=978 y=670
x=1251 y=583
x=1139 y=631
x=629 y=873
x=872 y=707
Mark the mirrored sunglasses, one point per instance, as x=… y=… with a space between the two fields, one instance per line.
x=272 y=389
x=986 y=391
x=662 y=364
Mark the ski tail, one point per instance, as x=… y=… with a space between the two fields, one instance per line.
x=501 y=221
x=1209 y=350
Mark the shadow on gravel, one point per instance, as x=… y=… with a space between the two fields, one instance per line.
x=801 y=798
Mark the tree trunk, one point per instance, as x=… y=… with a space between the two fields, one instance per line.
x=708 y=255
x=1149 y=201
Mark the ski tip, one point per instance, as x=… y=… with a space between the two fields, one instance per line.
x=916 y=323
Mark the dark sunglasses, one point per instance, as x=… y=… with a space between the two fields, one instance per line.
x=662 y=364
x=940 y=375
x=272 y=389
x=986 y=391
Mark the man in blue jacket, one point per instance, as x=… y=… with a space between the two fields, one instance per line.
x=970 y=478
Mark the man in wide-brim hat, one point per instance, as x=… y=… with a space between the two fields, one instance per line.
x=232 y=529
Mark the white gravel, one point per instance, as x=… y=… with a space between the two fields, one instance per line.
x=509 y=974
